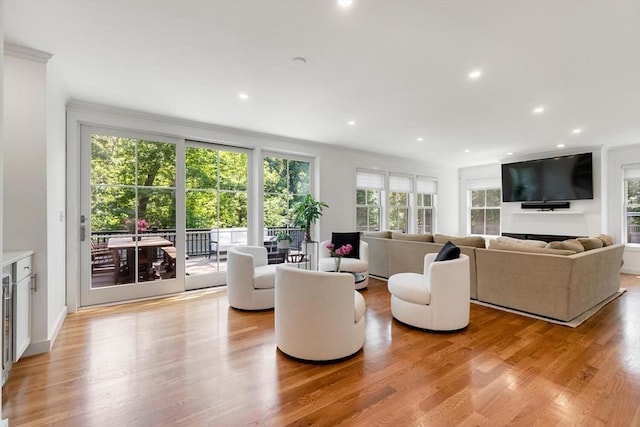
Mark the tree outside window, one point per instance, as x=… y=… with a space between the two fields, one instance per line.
x=632 y=205
x=425 y=213
x=399 y=211
x=367 y=210
x=286 y=181
x=485 y=211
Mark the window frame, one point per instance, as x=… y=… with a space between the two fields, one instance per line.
x=630 y=173
x=367 y=188
x=484 y=207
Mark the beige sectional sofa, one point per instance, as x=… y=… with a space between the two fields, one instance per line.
x=551 y=281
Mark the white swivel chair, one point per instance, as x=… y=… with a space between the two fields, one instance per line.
x=354 y=265
x=438 y=299
x=250 y=280
x=318 y=315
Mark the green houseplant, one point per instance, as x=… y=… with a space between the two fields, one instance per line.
x=284 y=239
x=306 y=212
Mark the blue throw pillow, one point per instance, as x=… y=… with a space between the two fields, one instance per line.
x=341 y=239
x=448 y=252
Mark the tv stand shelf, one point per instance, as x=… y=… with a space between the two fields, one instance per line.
x=549 y=212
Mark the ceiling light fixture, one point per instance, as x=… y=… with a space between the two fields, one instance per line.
x=576 y=131
x=420 y=139
x=351 y=122
x=475 y=74
x=345 y=3
x=560 y=146
x=243 y=96
x=467 y=151
x=510 y=153
x=538 y=110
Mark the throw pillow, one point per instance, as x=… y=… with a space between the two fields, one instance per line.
x=448 y=252
x=528 y=249
x=569 y=244
x=590 y=243
x=427 y=237
x=521 y=242
x=606 y=239
x=340 y=239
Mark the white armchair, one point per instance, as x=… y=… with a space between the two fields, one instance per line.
x=436 y=300
x=354 y=265
x=318 y=315
x=250 y=280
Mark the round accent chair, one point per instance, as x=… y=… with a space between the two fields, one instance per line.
x=318 y=315
x=250 y=280
x=438 y=299
x=353 y=265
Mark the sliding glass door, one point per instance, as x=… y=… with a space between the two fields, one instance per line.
x=128 y=220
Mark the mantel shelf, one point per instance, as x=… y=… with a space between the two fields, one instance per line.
x=558 y=212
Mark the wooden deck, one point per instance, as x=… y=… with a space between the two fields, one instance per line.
x=190 y=360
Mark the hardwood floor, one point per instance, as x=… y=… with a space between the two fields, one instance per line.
x=192 y=361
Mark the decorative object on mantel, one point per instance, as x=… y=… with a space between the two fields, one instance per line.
x=338 y=253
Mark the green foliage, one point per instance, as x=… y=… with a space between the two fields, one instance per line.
x=306 y=212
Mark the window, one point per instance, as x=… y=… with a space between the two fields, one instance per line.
x=632 y=204
x=484 y=212
x=286 y=181
x=369 y=187
x=400 y=188
x=426 y=192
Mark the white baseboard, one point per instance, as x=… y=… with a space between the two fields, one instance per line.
x=45 y=346
x=4 y=423
x=629 y=270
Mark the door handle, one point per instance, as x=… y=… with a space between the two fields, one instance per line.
x=83 y=233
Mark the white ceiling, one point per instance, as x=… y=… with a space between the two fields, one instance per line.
x=398 y=68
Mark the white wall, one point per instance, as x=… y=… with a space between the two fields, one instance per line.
x=34 y=176
x=335 y=164
x=616 y=159
x=2 y=421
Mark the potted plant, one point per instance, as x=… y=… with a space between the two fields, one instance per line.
x=306 y=212
x=283 y=239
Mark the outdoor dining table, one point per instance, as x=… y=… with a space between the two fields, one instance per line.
x=146 y=247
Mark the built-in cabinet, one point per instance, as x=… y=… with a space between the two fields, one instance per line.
x=17 y=267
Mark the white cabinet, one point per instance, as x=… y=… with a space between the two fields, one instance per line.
x=22 y=307
x=19 y=264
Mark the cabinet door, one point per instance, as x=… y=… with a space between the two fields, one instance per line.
x=22 y=315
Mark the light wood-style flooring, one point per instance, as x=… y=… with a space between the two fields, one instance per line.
x=190 y=360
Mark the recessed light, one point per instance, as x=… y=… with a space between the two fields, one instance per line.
x=243 y=95
x=351 y=122
x=510 y=153
x=576 y=131
x=475 y=74
x=420 y=139
x=467 y=151
x=538 y=110
x=345 y=3
x=560 y=146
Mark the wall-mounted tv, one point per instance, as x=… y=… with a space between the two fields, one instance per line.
x=546 y=180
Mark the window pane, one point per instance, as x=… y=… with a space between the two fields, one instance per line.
x=477 y=221
x=233 y=171
x=361 y=197
x=276 y=209
x=493 y=197
x=299 y=179
x=201 y=168
x=493 y=222
x=477 y=198
x=373 y=197
x=156 y=164
x=275 y=175
x=633 y=210
x=112 y=160
x=202 y=209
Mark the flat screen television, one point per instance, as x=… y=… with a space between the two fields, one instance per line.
x=545 y=180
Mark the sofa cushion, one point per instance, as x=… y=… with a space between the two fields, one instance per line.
x=529 y=249
x=569 y=244
x=427 y=237
x=590 y=243
x=448 y=252
x=359 y=306
x=472 y=241
x=353 y=238
x=606 y=239
x=521 y=242
x=386 y=234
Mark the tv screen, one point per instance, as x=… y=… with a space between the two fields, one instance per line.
x=546 y=180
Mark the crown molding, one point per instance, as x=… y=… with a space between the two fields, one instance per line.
x=26 y=53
